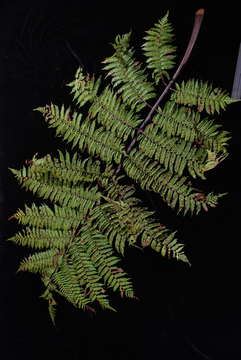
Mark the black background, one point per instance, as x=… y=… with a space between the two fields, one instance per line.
x=183 y=313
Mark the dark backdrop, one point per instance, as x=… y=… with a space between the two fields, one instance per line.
x=183 y=313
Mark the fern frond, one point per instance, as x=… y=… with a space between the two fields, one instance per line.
x=86 y=270
x=159 y=50
x=102 y=255
x=121 y=192
x=122 y=143
x=111 y=113
x=68 y=285
x=126 y=224
x=173 y=153
x=115 y=219
x=178 y=121
x=48 y=295
x=41 y=260
x=71 y=170
x=118 y=216
x=181 y=121
x=176 y=191
x=202 y=95
x=58 y=218
x=84 y=87
x=213 y=159
x=127 y=74
x=216 y=142
x=48 y=187
x=163 y=241
x=106 y=107
x=84 y=134
x=43 y=238
x=135 y=227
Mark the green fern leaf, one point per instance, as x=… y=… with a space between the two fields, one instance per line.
x=84 y=134
x=43 y=238
x=111 y=113
x=101 y=253
x=84 y=88
x=159 y=50
x=185 y=123
x=127 y=74
x=176 y=191
x=48 y=295
x=174 y=154
x=58 y=218
x=47 y=187
x=71 y=170
x=202 y=95
x=68 y=285
x=126 y=224
x=41 y=260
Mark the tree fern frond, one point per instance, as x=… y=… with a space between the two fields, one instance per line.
x=184 y=122
x=68 y=285
x=178 y=121
x=84 y=88
x=174 y=190
x=102 y=255
x=213 y=159
x=71 y=169
x=147 y=172
x=121 y=192
x=216 y=142
x=114 y=219
x=202 y=95
x=127 y=74
x=109 y=109
x=173 y=249
x=159 y=50
x=209 y=200
x=162 y=240
x=43 y=238
x=84 y=134
x=110 y=112
x=48 y=187
x=41 y=260
x=174 y=154
x=86 y=270
x=48 y=295
x=125 y=142
x=126 y=224
x=58 y=218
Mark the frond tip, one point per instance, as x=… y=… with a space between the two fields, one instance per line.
x=158 y=49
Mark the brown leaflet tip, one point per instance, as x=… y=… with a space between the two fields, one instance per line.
x=200 y=12
x=12 y=217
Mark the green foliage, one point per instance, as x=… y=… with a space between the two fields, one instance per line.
x=202 y=95
x=159 y=50
x=90 y=213
x=128 y=75
x=186 y=123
